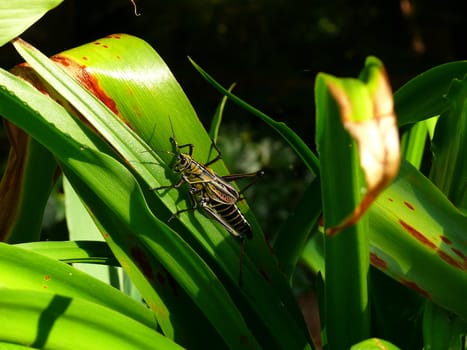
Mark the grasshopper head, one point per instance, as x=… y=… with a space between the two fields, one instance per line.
x=182 y=162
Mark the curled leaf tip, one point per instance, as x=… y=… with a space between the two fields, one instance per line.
x=376 y=137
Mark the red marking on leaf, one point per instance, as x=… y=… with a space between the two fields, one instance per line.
x=408 y=205
x=415 y=287
x=378 y=262
x=62 y=60
x=321 y=221
x=417 y=235
x=92 y=84
x=141 y=260
x=449 y=259
x=445 y=239
x=114 y=36
x=105 y=46
x=89 y=81
x=47 y=277
x=460 y=255
x=96 y=43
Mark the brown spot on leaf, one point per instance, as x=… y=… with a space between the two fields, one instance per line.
x=378 y=262
x=450 y=260
x=114 y=36
x=415 y=287
x=445 y=239
x=408 y=205
x=417 y=235
x=460 y=255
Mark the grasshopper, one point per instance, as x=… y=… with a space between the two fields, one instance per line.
x=213 y=193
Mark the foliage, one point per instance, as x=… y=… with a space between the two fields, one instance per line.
x=114 y=107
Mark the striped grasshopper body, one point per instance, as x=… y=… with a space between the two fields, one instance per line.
x=226 y=214
x=213 y=193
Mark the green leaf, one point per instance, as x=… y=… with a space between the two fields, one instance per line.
x=374 y=344
x=413 y=143
x=18 y=15
x=449 y=168
x=41 y=320
x=25 y=269
x=74 y=251
x=341 y=183
x=82 y=227
x=418 y=238
x=423 y=96
x=216 y=121
x=441 y=329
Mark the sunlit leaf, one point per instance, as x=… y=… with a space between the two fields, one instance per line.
x=18 y=15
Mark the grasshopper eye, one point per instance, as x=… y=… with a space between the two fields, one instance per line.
x=182 y=160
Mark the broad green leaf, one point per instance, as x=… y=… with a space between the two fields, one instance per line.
x=25 y=269
x=41 y=319
x=418 y=238
x=18 y=15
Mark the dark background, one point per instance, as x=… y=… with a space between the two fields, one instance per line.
x=273 y=49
